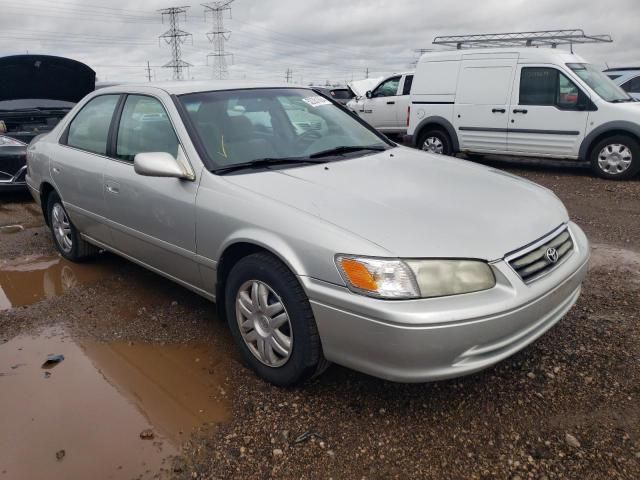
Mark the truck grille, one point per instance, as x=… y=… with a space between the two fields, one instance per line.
x=535 y=261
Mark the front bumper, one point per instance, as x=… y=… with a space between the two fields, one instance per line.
x=13 y=167
x=433 y=339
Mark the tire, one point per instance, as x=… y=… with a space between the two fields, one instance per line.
x=65 y=235
x=286 y=365
x=435 y=141
x=616 y=157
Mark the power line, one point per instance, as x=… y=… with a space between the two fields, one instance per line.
x=218 y=36
x=174 y=37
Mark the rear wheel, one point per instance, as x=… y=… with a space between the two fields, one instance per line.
x=65 y=235
x=271 y=321
x=616 y=157
x=435 y=141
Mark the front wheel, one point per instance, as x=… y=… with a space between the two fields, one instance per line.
x=616 y=157
x=435 y=141
x=271 y=321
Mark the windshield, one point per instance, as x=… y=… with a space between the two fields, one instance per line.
x=240 y=126
x=599 y=82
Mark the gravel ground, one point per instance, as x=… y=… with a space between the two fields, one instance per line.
x=565 y=407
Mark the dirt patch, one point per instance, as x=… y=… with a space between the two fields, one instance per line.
x=120 y=409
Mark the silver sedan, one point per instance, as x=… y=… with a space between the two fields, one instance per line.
x=319 y=239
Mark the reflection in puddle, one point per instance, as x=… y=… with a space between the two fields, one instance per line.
x=95 y=404
x=30 y=280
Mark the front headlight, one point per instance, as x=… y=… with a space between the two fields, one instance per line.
x=10 y=142
x=410 y=279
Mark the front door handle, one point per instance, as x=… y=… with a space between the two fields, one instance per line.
x=498 y=110
x=56 y=171
x=523 y=111
x=113 y=189
x=391 y=103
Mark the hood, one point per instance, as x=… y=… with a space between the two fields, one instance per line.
x=45 y=77
x=415 y=204
x=361 y=87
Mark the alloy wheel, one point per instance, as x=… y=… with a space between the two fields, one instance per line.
x=61 y=228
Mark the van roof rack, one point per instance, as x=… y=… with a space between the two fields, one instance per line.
x=542 y=38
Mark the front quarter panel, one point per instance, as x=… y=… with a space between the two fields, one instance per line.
x=228 y=214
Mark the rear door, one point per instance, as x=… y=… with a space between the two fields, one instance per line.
x=77 y=165
x=482 y=101
x=548 y=113
x=152 y=219
x=381 y=110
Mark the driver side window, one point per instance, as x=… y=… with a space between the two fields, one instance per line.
x=388 y=88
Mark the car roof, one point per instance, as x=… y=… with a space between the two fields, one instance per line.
x=193 y=86
x=528 y=54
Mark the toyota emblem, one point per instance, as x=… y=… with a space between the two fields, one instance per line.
x=552 y=255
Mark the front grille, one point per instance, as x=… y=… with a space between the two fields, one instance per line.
x=534 y=262
x=11 y=164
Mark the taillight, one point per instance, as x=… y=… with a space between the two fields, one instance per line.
x=408 y=115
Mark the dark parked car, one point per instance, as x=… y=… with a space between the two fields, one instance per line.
x=341 y=95
x=37 y=92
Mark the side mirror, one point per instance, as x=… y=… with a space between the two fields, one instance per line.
x=369 y=94
x=158 y=164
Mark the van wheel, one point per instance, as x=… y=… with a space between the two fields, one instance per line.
x=65 y=235
x=435 y=141
x=271 y=321
x=616 y=157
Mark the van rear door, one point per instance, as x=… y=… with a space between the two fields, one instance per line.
x=482 y=101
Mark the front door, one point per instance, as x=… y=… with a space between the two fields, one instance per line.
x=152 y=219
x=380 y=110
x=482 y=100
x=548 y=114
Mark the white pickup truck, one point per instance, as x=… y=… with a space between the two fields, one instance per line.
x=385 y=104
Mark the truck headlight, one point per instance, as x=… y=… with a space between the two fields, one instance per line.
x=409 y=279
x=10 y=142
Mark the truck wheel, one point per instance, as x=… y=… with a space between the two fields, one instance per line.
x=616 y=157
x=435 y=141
x=271 y=321
x=65 y=235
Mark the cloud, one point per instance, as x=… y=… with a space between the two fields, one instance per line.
x=319 y=40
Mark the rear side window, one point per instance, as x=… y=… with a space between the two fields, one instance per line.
x=547 y=87
x=89 y=130
x=632 y=86
x=341 y=94
x=144 y=127
x=408 y=81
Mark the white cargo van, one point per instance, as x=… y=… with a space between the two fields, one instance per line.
x=538 y=102
x=385 y=106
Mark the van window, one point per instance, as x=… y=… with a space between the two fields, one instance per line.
x=544 y=86
x=408 y=81
x=485 y=85
x=90 y=129
x=388 y=88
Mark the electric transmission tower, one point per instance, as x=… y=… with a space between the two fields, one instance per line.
x=218 y=36
x=174 y=37
x=288 y=75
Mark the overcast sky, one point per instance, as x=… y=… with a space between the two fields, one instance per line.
x=318 y=40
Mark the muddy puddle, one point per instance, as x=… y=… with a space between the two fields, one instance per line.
x=32 y=279
x=114 y=410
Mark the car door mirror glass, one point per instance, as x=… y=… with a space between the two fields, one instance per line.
x=369 y=94
x=158 y=164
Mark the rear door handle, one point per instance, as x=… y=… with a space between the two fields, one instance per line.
x=391 y=103
x=113 y=188
x=498 y=110
x=523 y=111
x=56 y=171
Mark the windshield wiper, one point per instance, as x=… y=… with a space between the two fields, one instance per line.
x=347 y=149
x=267 y=162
